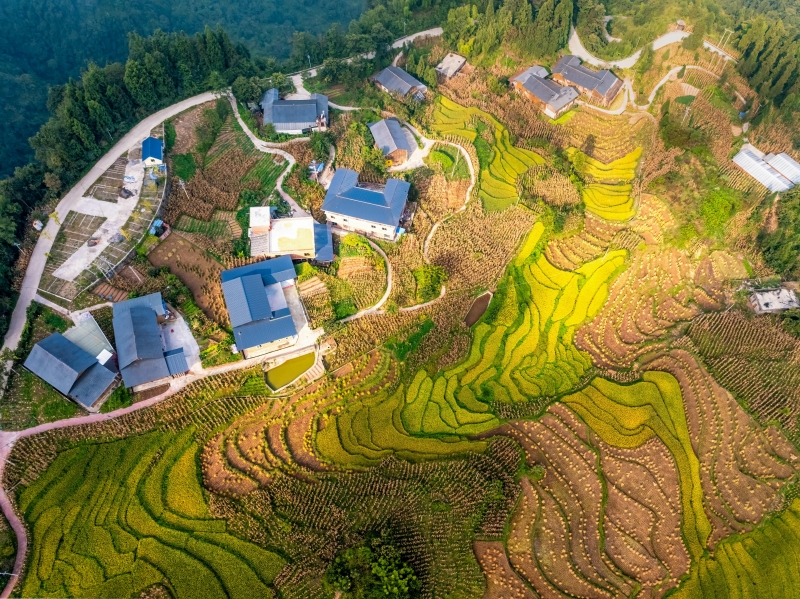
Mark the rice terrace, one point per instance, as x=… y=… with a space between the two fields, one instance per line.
x=507 y=308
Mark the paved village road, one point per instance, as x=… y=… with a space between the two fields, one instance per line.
x=73 y=197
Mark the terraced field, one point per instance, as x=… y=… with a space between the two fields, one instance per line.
x=111 y=520
x=504 y=163
x=609 y=194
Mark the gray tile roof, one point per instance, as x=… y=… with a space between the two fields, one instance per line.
x=92 y=384
x=389 y=136
x=345 y=198
x=290 y=115
x=323 y=242
x=535 y=70
x=398 y=81
x=140 y=352
x=58 y=361
x=176 y=361
x=69 y=369
x=546 y=90
x=256 y=305
x=571 y=68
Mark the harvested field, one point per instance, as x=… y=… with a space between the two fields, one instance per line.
x=197 y=270
x=186 y=128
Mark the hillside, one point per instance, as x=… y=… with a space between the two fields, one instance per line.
x=44 y=44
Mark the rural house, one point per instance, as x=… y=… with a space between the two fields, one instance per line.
x=72 y=371
x=394 y=80
x=300 y=238
x=391 y=139
x=264 y=307
x=374 y=210
x=141 y=352
x=293 y=117
x=450 y=65
x=600 y=86
x=152 y=152
x=548 y=96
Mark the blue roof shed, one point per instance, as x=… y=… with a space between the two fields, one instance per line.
x=153 y=148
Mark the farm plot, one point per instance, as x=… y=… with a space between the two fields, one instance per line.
x=108 y=187
x=198 y=272
x=660 y=288
x=605 y=138
x=756 y=360
x=609 y=195
x=501 y=163
x=89 y=541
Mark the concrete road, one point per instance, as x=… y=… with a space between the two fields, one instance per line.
x=73 y=197
x=577 y=48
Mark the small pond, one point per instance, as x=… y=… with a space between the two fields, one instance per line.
x=477 y=308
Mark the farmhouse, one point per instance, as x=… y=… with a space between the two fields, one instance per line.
x=152 y=152
x=71 y=370
x=391 y=139
x=450 y=65
x=548 y=96
x=394 y=80
x=295 y=116
x=600 y=86
x=776 y=173
x=374 y=211
x=141 y=352
x=263 y=305
x=300 y=238
x=773 y=300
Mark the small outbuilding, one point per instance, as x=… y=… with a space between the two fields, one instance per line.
x=152 y=152
x=300 y=238
x=450 y=65
x=391 y=139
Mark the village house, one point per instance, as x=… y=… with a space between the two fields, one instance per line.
x=72 y=371
x=392 y=140
x=548 y=96
x=263 y=305
x=450 y=65
x=152 y=152
x=294 y=117
x=375 y=210
x=599 y=86
x=394 y=80
x=141 y=352
x=300 y=238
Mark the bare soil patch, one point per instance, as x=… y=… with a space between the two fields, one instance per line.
x=478 y=308
x=185 y=125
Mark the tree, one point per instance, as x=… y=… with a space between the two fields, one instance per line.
x=246 y=90
x=695 y=40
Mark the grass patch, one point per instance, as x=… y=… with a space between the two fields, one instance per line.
x=120 y=398
x=285 y=373
x=184 y=166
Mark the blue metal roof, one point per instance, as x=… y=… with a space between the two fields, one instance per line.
x=145 y=371
x=152 y=148
x=386 y=207
x=176 y=361
x=92 y=385
x=59 y=362
x=137 y=335
x=323 y=242
x=276 y=270
x=572 y=69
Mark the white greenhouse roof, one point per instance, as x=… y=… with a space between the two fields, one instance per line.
x=785 y=165
x=762 y=172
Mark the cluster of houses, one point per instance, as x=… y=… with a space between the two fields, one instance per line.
x=264 y=306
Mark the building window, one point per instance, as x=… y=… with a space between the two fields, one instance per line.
x=384 y=228
x=344 y=219
x=373 y=226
